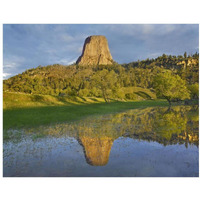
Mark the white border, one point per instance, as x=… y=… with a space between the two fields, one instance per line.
x=104 y=11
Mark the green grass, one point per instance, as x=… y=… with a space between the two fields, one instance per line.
x=20 y=100
x=142 y=92
x=44 y=115
x=26 y=110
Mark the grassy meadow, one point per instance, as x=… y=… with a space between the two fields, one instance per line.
x=25 y=110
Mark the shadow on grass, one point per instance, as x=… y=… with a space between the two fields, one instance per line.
x=35 y=116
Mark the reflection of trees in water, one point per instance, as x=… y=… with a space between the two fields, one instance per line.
x=178 y=125
x=166 y=126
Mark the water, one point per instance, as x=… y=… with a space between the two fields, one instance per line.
x=151 y=142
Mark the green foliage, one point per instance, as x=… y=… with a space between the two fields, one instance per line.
x=170 y=86
x=150 y=123
x=84 y=92
x=13 y=100
x=110 y=82
x=131 y=96
x=138 y=93
x=185 y=55
x=106 y=81
x=173 y=121
x=194 y=90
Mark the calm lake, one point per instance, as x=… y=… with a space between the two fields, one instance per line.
x=149 y=142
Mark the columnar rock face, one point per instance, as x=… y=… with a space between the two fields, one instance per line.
x=95 y=52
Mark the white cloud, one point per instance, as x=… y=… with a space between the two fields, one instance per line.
x=145 y=31
x=6 y=75
x=71 y=62
x=67 y=38
x=63 y=61
x=66 y=61
x=12 y=61
x=10 y=65
x=154 y=55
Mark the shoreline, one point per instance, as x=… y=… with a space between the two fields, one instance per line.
x=44 y=115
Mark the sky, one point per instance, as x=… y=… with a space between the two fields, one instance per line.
x=27 y=46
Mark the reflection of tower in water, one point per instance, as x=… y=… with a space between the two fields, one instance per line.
x=96 y=149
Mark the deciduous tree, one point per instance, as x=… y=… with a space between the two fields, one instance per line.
x=106 y=81
x=170 y=86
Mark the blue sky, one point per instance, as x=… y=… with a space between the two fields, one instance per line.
x=27 y=46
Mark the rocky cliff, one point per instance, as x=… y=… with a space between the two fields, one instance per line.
x=95 y=52
x=188 y=62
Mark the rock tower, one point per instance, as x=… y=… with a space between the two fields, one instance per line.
x=95 y=52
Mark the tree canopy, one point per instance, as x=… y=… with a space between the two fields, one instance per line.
x=134 y=81
x=170 y=86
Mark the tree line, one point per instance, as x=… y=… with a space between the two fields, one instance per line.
x=170 y=77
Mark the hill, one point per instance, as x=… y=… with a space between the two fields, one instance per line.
x=132 y=81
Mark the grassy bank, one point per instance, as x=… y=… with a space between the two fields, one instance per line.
x=43 y=115
x=12 y=100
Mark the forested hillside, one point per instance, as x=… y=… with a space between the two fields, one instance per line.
x=136 y=80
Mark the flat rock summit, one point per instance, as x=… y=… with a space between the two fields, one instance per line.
x=95 y=52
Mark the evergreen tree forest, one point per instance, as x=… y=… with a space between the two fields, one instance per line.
x=167 y=76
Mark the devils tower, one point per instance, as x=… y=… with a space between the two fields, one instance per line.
x=95 y=52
